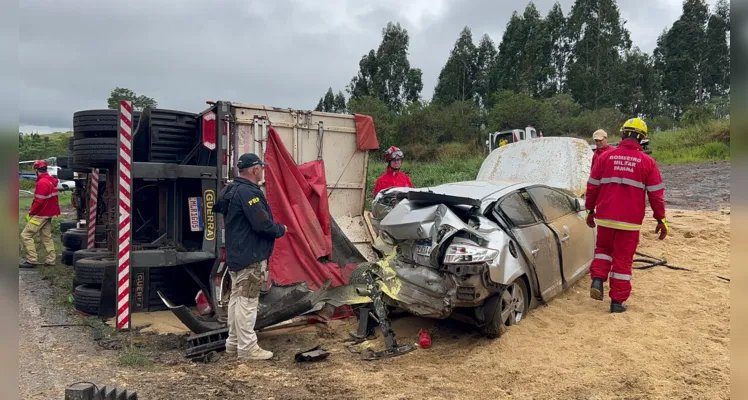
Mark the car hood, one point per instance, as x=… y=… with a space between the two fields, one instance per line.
x=560 y=162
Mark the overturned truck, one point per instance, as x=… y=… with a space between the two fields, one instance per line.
x=180 y=161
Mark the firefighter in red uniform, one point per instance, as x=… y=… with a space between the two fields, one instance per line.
x=392 y=177
x=45 y=206
x=616 y=190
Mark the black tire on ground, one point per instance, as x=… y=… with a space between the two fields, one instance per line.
x=90 y=253
x=86 y=299
x=71 y=140
x=67 y=257
x=98 y=123
x=509 y=298
x=65 y=174
x=91 y=270
x=96 y=152
x=67 y=225
x=75 y=239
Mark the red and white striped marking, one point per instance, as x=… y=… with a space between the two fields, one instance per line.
x=93 y=207
x=125 y=198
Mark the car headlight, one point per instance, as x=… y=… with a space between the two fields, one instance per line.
x=468 y=254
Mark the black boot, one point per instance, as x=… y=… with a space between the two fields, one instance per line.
x=616 y=307
x=26 y=264
x=596 y=289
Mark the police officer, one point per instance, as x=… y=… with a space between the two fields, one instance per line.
x=250 y=237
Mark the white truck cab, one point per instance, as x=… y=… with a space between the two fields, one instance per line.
x=511 y=136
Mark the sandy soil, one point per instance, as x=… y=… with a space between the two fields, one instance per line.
x=673 y=343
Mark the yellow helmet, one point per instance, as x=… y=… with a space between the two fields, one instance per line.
x=635 y=125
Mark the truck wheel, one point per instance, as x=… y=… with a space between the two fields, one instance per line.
x=91 y=270
x=86 y=299
x=505 y=309
x=90 y=253
x=74 y=239
x=67 y=257
x=98 y=123
x=67 y=225
x=65 y=174
x=173 y=135
x=96 y=152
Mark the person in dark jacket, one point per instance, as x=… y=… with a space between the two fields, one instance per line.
x=250 y=237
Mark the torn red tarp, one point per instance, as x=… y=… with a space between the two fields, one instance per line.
x=366 y=136
x=297 y=196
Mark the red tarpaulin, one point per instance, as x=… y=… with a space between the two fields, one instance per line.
x=366 y=136
x=297 y=196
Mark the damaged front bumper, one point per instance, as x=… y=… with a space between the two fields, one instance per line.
x=279 y=304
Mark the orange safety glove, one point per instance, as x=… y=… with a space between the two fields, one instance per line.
x=590 y=218
x=662 y=228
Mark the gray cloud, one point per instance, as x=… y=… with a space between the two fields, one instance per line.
x=283 y=53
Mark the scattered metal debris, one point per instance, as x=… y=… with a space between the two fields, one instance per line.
x=316 y=353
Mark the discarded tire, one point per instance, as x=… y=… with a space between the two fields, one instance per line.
x=98 y=123
x=89 y=253
x=91 y=270
x=96 y=152
x=86 y=299
x=67 y=225
x=74 y=239
x=67 y=257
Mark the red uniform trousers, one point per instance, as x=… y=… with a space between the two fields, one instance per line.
x=614 y=257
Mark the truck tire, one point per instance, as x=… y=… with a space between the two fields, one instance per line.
x=62 y=162
x=74 y=239
x=173 y=135
x=72 y=164
x=65 y=174
x=71 y=140
x=67 y=225
x=67 y=257
x=357 y=275
x=86 y=299
x=96 y=152
x=99 y=123
x=90 y=253
x=91 y=270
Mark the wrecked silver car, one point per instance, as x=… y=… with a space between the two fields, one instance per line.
x=484 y=252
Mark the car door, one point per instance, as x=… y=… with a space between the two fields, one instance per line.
x=575 y=239
x=536 y=240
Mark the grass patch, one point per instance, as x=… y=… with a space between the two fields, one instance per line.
x=24 y=203
x=704 y=142
x=133 y=356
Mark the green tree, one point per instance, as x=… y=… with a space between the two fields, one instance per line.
x=597 y=41
x=383 y=117
x=506 y=72
x=555 y=29
x=717 y=68
x=536 y=60
x=331 y=103
x=386 y=74
x=485 y=59
x=139 y=102
x=682 y=57
x=457 y=80
x=639 y=95
x=516 y=110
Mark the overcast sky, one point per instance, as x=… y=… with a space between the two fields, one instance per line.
x=282 y=53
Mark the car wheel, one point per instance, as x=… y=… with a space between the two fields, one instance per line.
x=505 y=309
x=86 y=299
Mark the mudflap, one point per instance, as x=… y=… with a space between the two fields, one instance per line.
x=279 y=304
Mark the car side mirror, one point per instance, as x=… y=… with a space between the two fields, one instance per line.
x=578 y=205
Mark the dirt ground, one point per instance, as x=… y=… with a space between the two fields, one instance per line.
x=673 y=343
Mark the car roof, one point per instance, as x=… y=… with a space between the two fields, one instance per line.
x=482 y=190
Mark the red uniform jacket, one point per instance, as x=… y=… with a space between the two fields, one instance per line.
x=390 y=179
x=618 y=183
x=598 y=151
x=46 y=202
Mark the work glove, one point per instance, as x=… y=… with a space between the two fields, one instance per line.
x=662 y=228
x=590 y=218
